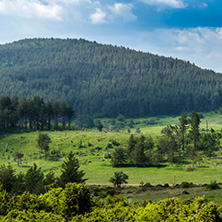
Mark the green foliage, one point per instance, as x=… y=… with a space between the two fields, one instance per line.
x=74 y=199
x=70 y=171
x=43 y=143
x=208 y=143
x=212 y=186
x=32 y=113
x=7 y=177
x=4 y=202
x=118 y=157
x=34 y=180
x=30 y=216
x=194 y=132
x=31 y=202
x=119 y=178
x=18 y=156
x=105 y=80
x=99 y=125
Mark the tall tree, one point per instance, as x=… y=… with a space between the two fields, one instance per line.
x=7 y=177
x=138 y=154
x=49 y=111
x=183 y=127
x=63 y=113
x=43 y=141
x=56 y=112
x=31 y=112
x=194 y=131
x=18 y=156
x=99 y=125
x=131 y=146
x=119 y=157
x=34 y=180
x=70 y=114
x=70 y=171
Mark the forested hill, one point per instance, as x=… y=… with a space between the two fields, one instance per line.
x=105 y=80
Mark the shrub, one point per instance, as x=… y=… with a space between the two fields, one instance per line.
x=212 y=186
x=74 y=199
x=25 y=215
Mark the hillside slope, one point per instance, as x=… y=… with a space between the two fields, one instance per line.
x=105 y=80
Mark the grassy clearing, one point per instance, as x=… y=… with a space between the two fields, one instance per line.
x=154 y=125
x=91 y=148
x=138 y=194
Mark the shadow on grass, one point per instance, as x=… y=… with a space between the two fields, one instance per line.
x=54 y=158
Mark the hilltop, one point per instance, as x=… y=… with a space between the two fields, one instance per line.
x=105 y=80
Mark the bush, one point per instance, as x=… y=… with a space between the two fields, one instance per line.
x=25 y=215
x=74 y=199
x=212 y=186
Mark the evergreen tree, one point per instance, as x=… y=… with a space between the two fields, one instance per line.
x=49 y=111
x=99 y=125
x=138 y=154
x=169 y=144
x=183 y=127
x=70 y=114
x=56 y=114
x=7 y=177
x=118 y=157
x=131 y=147
x=119 y=178
x=70 y=171
x=194 y=131
x=34 y=180
x=63 y=113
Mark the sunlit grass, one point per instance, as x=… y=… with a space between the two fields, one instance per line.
x=90 y=147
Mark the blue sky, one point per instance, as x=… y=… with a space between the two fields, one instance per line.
x=186 y=29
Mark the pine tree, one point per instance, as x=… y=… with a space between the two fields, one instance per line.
x=118 y=157
x=119 y=178
x=70 y=171
x=195 y=131
x=183 y=127
x=99 y=125
x=34 y=180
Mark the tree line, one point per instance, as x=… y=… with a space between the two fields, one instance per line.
x=33 y=114
x=184 y=140
x=104 y=80
x=34 y=181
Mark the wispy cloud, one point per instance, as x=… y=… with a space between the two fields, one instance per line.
x=169 y=3
x=123 y=11
x=98 y=17
x=30 y=9
x=201 y=45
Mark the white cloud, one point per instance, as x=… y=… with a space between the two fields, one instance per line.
x=201 y=45
x=162 y=3
x=30 y=9
x=124 y=11
x=98 y=17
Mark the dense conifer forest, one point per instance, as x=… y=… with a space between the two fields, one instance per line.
x=105 y=80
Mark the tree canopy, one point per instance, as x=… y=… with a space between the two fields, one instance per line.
x=104 y=80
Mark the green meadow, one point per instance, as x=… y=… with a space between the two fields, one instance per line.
x=93 y=149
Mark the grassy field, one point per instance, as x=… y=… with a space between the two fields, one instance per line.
x=135 y=194
x=91 y=148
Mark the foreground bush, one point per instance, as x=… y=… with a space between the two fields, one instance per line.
x=167 y=210
x=74 y=203
x=57 y=204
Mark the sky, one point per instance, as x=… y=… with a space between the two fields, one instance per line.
x=190 y=30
